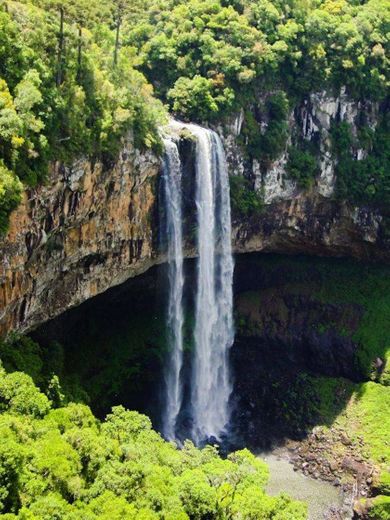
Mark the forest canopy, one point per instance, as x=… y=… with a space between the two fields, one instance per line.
x=77 y=76
x=59 y=461
x=230 y=50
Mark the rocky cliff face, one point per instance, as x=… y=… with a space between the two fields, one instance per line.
x=308 y=221
x=299 y=317
x=90 y=228
x=311 y=224
x=310 y=121
x=94 y=226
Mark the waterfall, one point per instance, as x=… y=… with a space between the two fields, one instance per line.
x=214 y=333
x=210 y=385
x=175 y=317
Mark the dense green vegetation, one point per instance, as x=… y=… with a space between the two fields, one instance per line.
x=60 y=462
x=266 y=145
x=245 y=201
x=77 y=76
x=61 y=94
x=10 y=194
x=301 y=166
x=366 y=180
x=380 y=508
x=226 y=51
x=265 y=57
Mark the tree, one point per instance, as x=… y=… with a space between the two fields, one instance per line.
x=63 y=463
x=198 y=98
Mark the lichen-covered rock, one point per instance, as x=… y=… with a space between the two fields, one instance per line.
x=311 y=121
x=276 y=185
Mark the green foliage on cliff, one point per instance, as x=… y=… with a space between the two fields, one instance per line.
x=242 y=47
x=10 y=195
x=383 y=483
x=267 y=144
x=208 y=60
x=301 y=166
x=61 y=96
x=61 y=462
x=380 y=508
x=245 y=201
x=367 y=180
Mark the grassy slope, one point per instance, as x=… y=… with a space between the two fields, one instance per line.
x=365 y=415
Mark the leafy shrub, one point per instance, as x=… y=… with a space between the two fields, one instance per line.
x=196 y=98
x=19 y=395
x=21 y=353
x=383 y=483
x=301 y=166
x=10 y=195
x=244 y=199
x=380 y=508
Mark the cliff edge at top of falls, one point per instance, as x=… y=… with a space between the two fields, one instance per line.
x=93 y=226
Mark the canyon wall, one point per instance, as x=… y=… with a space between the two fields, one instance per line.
x=93 y=226
x=90 y=228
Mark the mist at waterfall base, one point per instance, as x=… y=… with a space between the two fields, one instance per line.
x=198 y=386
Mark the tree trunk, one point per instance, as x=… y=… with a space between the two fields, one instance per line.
x=80 y=42
x=116 y=49
x=60 y=49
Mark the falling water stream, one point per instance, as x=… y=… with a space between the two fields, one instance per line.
x=213 y=334
x=213 y=330
x=175 y=317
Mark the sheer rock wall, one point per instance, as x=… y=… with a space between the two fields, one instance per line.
x=94 y=226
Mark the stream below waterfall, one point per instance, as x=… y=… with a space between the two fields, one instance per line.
x=323 y=499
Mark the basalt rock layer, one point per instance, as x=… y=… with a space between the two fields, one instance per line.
x=309 y=223
x=93 y=225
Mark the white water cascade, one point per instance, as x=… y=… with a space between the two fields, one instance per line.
x=210 y=385
x=175 y=317
x=214 y=332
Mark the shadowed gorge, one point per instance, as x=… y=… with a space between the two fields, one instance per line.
x=298 y=326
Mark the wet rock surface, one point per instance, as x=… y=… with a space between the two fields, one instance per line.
x=329 y=454
x=325 y=501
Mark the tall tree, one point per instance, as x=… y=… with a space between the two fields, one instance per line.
x=82 y=13
x=120 y=8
